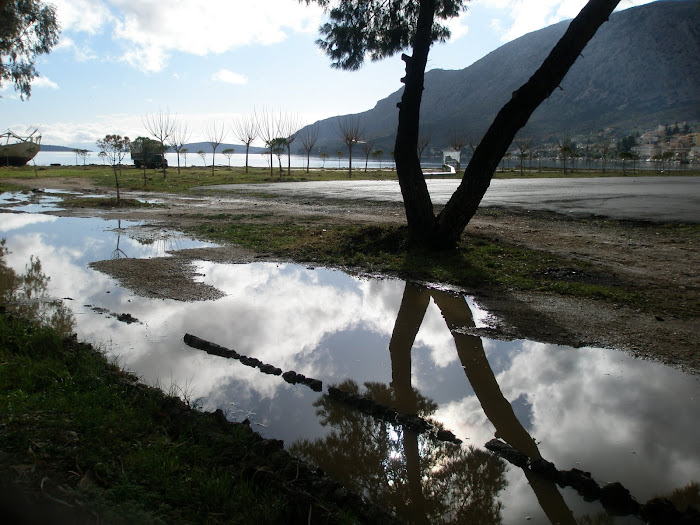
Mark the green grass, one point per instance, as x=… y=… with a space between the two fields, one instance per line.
x=113 y=444
x=477 y=262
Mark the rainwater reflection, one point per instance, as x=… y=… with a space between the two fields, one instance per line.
x=407 y=346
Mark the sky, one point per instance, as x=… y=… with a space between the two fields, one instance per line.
x=119 y=62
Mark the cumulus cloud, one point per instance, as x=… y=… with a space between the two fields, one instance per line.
x=88 y=16
x=151 y=30
x=523 y=16
x=458 y=26
x=44 y=82
x=229 y=77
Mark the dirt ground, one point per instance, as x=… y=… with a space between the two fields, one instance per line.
x=663 y=261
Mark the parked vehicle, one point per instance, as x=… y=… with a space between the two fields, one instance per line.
x=148 y=153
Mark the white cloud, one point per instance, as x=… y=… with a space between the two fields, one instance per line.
x=151 y=29
x=88 y=16
x=81 y=53
x=229 y=77
x=44 y=82
x=518 y=17
x=458 y=26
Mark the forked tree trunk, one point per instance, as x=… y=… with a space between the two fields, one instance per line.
x=444 y=231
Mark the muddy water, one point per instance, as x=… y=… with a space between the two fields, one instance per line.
x=406 y=346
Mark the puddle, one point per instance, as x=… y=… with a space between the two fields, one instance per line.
x=30 y=202
x=408 y=348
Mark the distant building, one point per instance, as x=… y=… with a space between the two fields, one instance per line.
x=450 y=157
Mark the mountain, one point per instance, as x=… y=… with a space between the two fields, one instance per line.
x=641 y=69
x=51 y=147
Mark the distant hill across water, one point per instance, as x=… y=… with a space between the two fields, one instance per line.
x=640 y=70
x=49 y=147
x=191 y=148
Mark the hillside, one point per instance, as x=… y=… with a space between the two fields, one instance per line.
x=641 y=69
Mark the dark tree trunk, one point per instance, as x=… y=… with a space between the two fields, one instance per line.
x=514 y=115
x=443 y=232
x=419 y=208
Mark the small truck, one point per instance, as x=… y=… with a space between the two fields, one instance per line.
x=148 y=153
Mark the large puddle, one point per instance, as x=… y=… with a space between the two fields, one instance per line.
x=406 y=346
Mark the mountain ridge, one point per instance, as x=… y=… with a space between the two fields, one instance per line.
x=641 y=69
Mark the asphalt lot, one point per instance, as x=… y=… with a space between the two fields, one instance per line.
x=658 y=199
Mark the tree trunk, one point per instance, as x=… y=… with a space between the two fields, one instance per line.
x=116 y=181
x=419 y=208
x=514 y=115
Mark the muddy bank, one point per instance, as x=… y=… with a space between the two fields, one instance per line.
x=659 y=260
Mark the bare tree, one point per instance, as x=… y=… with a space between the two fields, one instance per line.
x=214 y=134
x=308 y=137
x=367 y=147
x=424 y=138
x=278 y=146
x=457 y=143
x=161 y=125
x=604 y=152
x=377 y=155
x=473 y=143
x=324 y=157
x=228 y=152
x=83 y=154
x=350 y=132
x=115 y=148
x=268 y=129
x=177 y=141
x=339 y=154
x=245 y=129
x=523 y=145
x=565 y=149
x=288 y=129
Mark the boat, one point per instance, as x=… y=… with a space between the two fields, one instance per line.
x=16 y=150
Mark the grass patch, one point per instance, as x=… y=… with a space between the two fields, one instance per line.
x=114 y=445
x=478 y=261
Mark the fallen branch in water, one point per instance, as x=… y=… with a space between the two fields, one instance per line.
x=614 y=497
x=290 y=377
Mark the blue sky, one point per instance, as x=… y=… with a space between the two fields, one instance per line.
x=119 y=61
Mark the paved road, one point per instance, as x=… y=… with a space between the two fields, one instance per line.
x=648 y=198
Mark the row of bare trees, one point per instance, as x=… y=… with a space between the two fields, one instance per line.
x=277 y=130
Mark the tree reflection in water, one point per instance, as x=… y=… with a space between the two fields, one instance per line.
x=424 y=480
x=26 y=295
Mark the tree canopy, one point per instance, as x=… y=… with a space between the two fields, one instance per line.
x=377 y=28
x=28 y=28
